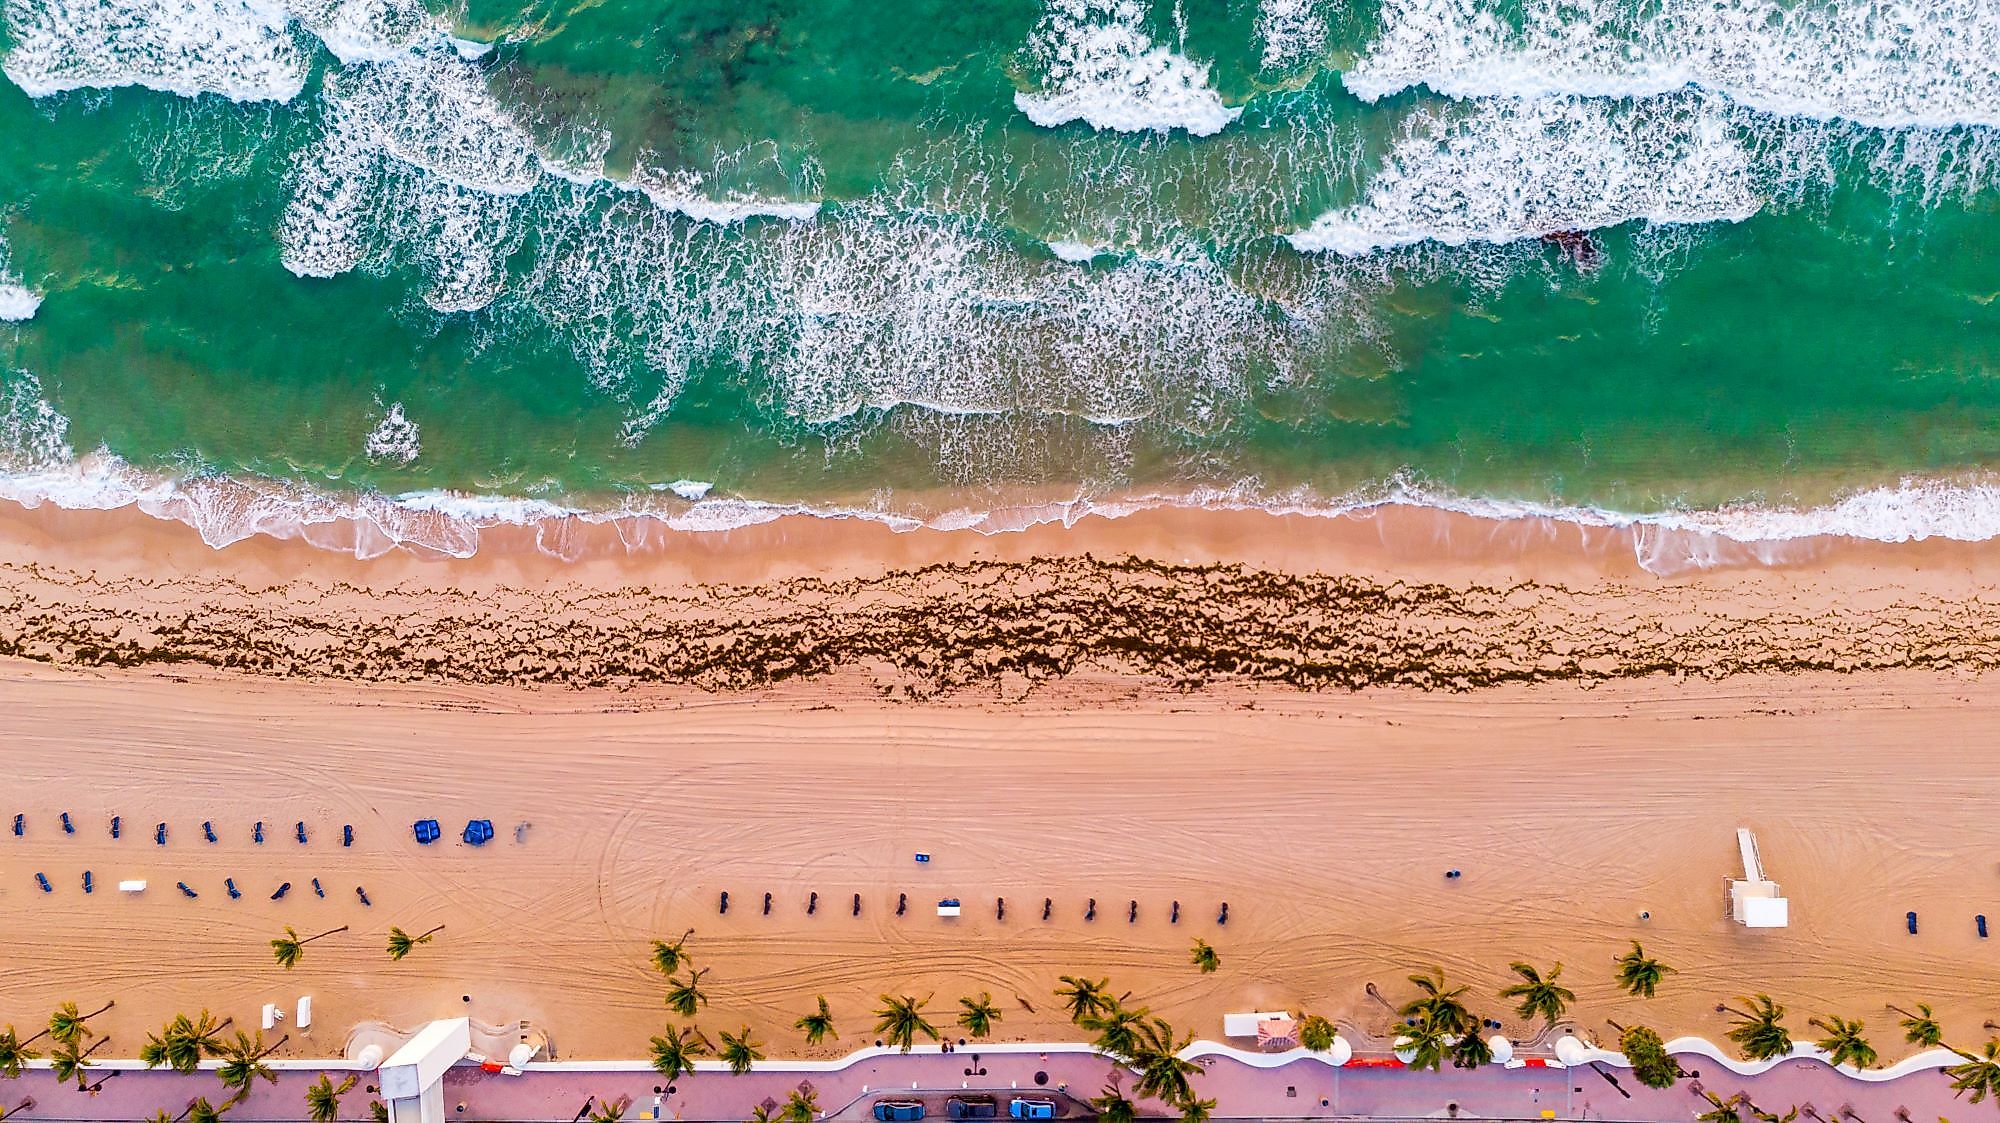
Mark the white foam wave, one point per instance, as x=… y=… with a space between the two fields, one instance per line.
x=17 y=302
x=1071 y=250
x=1100 y=66
x=244 y=50
x=394 y=438
x=1293 y=33
x=1882 y=63
x=681 y=192
x=1509 y=170
x=34 y=436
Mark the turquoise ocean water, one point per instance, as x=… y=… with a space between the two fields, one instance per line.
x=1725 y=263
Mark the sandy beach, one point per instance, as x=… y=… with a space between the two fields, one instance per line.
x=1299 y=719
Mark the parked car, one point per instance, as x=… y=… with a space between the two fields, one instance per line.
x=971 y=1107
x=898 y=1111
x=1032 y=1109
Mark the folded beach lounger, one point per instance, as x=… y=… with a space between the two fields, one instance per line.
x=208 y=830
x=160 y=835
x=185 y=891
x=301 y=829
x=363 y=894
x=20 y=824
x=88 y=883
x=68 y=827
x=1911 y=920
x=229 y=883
x=115 y=824
x=282 y=890
x=317 y=889
x=42 y=880
x=257 y=832
x=347 y=835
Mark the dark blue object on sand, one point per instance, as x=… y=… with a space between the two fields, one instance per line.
x=43 y=881
x=115 y=824
x=229 y=883
x=257 y=833
x=1910 y=919
x=160 y=835
x=282 y=890
x=185 y=891
x=208 y=830
x=88 y=883
x=317 y=889
x=347 y=835
x=427 y=831
x=20 y=824
x=1980 y=922
x=363 y=894
x=301 y=829
x=479 y=832
x=68 y=827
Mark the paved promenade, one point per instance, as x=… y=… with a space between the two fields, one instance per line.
x=1303 y=1089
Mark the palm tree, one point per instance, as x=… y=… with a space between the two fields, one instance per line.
x=1921 y=1028
x=978 y=1015
x=1117 y=1029
x=762 y=1114
x=1163 y=1073
x=323 y=1097
x=668 y=958
x=1204 y=957
x=1652 y=1065
x=818 y=1025
x=740 y=1051
x=684 y=997
x=182 y=1042
x=1539 y=997
x=199 y=1110
x=1424 y=1041
x=1843 y=1043
x=1442 y=1005
x=70 y=1059
x=1113 y=1107
x=67 y=1027
x=1639 y=974
x=674 y=1052
x=902 y=1020
x=378 y=1111
x=802 y=1106
x=243 y=1061
x=1197 y=1111
x=1085 y=997
x=611 y=1111
x=1315 y=1033
x=1979 y=1075
x=1720 y=1110
x=287 y=948
x=1760 y=1031
x=400 y=942
x=1470 y=1051
x=15 y=1053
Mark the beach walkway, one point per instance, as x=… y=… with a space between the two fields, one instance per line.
x=1305 y=1089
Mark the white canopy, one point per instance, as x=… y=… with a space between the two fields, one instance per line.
x=1503 y=1049
x=1245 y=1025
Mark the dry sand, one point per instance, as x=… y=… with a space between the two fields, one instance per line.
x=1580 y=738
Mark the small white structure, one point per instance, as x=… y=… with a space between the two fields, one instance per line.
x=1502 y=1049
x=138 y=886
x=1571 y=1052
x=369 y=1058
x=1245 y=1025
x=412 y=1079
x=270 y=1018
x=1753 y=899
x=1341 y=1052
x=948 y=907
x=305 y=1019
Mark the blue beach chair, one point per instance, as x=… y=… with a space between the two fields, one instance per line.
x=257 y=833
x=1910 y=920
x=301 y=829
x=347 y=835
x=115 y=826
x=478 y=832
x=208 y=830
x=160 y=835
x=88 y=884
x=229 y=883
x=427 y=831
x=68 y=827
x=317 y=890
x=20 y=824
x=42 y=880
x=282 y=890
x=363 y=894
x=185 y=891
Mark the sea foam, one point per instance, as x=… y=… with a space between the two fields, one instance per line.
x=395 y=438
x=17 y=301
x=1099 y=65
x=1292 y=32
x=1882 y=63
x=1501 y=171
x=244 y=50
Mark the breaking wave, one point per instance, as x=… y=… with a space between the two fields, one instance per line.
x=1099 y=65
x=245 y=50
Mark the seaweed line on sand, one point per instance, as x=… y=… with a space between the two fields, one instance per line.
x=943 y=628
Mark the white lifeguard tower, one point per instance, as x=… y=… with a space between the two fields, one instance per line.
x=412 y=1079
x=1753 y=898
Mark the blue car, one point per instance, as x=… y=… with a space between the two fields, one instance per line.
x=898 y=1111
x=1032 y=1109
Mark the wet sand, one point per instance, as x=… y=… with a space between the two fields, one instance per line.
x=1314 y=743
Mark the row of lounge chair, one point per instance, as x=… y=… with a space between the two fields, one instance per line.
x=207 y=830
x=478 y=832
x=952 y=906
x=228 y=885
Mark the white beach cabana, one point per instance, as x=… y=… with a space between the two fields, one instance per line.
x=1753 y=898
x=1245 y=1025
x=1503 y=1049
